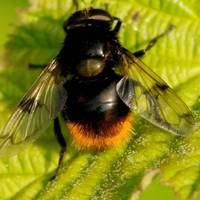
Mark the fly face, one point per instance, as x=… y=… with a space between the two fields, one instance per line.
x=94 y=18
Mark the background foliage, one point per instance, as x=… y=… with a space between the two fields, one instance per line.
x=121 y=173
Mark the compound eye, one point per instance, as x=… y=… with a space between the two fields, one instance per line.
x=81 y=18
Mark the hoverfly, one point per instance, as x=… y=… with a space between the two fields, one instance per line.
x=95 y=84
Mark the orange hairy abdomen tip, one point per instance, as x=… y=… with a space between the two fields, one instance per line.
x=100 y=135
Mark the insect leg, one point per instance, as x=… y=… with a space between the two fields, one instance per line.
x=118 y=25
x=76 y=4
x=62 y=142
x=153 y=41
x=33 y=66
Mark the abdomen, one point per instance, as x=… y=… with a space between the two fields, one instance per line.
x=95 y=115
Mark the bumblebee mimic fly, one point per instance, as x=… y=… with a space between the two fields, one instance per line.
x=95 y=84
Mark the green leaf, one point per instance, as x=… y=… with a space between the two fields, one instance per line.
x=34 y=43
x=122 y=172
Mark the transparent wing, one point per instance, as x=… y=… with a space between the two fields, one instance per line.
x=37 y=108
x=145 y=91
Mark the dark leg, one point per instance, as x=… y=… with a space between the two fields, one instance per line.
x=61 y=141
x=76 y=4
x=106 y=6
x=118 y=25
x=152 y=42
x=33 y=66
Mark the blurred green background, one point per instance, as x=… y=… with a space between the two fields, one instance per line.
x=8 y=15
